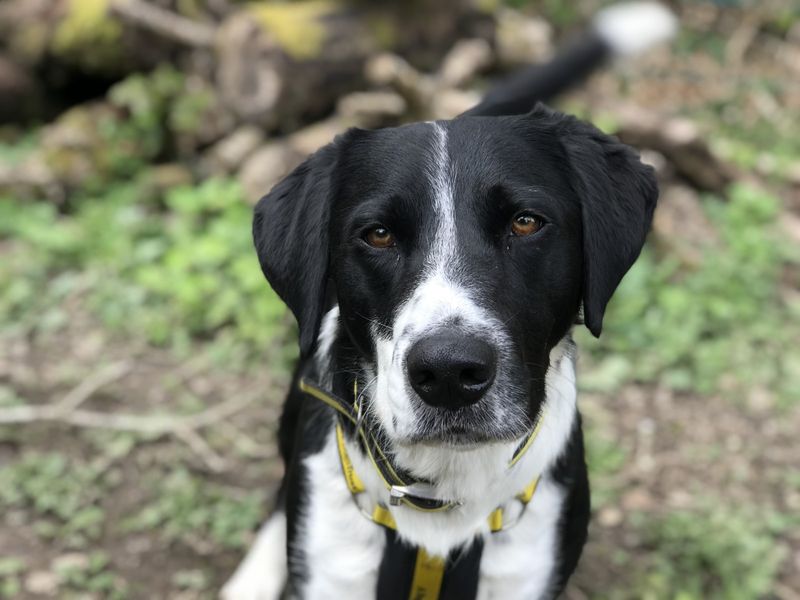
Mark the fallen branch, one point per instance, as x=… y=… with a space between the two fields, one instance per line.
x=680 y=142
x=202 y=448
x=184 y=428
x=83 y=391
x=164 y=23
x=149 y=425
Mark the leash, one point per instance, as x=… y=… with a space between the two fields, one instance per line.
x=431 y=577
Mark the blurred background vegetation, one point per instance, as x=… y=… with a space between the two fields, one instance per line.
x=143 y=357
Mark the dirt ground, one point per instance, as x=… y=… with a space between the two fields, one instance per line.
x=675 y=448
x=141 y=474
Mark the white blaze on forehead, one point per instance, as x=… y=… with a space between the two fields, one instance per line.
x=440 y=175
x=438 y=296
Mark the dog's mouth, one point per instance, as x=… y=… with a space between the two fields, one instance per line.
x=464 y=428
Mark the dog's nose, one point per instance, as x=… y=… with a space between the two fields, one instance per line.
x=451 y=370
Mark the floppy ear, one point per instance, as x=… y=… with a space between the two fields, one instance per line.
x=618 y=196
x=290 y=231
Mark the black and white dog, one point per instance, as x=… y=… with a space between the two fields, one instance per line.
x=436 y=271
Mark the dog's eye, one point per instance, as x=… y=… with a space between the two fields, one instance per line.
x=379 y=237
x=526 y=224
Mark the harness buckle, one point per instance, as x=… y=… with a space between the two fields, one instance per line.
x=424 y=491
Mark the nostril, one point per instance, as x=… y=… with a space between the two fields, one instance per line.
x=422 y=377
x=472 y=377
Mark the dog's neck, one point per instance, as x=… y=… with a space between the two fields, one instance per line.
x=478 y=476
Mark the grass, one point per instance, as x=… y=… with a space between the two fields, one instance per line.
x=715 y=552
x=185 y=507
x=171 y=274
x=175 y=270
x=722 y=326
x=62 y=493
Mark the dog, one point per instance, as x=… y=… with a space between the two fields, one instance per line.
x=432 y=440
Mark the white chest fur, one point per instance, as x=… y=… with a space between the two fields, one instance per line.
x=343 y=549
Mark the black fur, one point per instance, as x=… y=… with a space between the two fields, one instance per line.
x=541 y=83
x=595 y=196
x=597 y=202
x=290 y=231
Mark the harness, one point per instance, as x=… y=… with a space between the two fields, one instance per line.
x=408 y=573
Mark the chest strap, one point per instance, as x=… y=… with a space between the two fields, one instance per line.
x=408 y=573
x=432 y=577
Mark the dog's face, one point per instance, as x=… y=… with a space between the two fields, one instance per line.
x=459 y=254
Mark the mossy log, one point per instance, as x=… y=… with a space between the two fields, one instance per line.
x=280 y=65
x=275 y=64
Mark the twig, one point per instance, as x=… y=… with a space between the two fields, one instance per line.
x=165 y=23
x=183 y=428
x=78 y=395
x=202 y=448
x=245 y=443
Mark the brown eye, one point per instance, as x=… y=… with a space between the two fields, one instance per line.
x=526 y=224
x=379 y=237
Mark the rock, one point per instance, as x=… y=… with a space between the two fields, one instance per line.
x=522 y=40
x=466 y=59
x=312 y=138
x=72 y=561
x=681 y=142
x=371 y=109
x=448 y=104
x=658 y=161
x=41 y=583
x=395 y=72
x=265 y=167
x=681 y=226
x=610 y=516
x=230 y=152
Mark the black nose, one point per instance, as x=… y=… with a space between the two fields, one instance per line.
x=451 y=370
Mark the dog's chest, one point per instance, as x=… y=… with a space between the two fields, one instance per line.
x=343 y=550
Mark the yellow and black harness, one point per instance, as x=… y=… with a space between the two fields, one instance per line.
x=411 y=573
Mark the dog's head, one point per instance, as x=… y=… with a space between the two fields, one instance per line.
x=459 y=253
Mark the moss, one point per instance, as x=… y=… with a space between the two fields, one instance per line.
x=88 y=33
x=383 y=30
x=190 y=8
x=488 y=6
x=296 y=26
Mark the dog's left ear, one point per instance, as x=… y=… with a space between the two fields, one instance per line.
x=290 y=232
x=618 y=196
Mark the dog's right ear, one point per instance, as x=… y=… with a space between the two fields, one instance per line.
x=291 y=235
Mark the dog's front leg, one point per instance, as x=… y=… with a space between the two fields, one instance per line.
x=262 y=574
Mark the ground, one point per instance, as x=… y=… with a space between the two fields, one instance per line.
x=143 y=361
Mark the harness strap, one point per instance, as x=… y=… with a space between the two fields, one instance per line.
x=393 y=478
x=428 y=574
x=408 y=573
x=418 y=495
x=432 y=577
x=381 y=515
